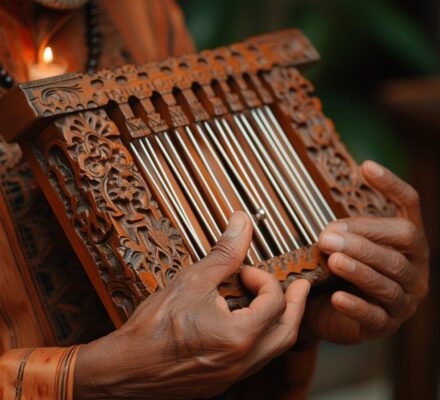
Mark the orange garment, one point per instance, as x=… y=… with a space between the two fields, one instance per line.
x=45 y=297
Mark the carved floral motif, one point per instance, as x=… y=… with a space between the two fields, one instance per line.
x=135 y=248
x=76 y=92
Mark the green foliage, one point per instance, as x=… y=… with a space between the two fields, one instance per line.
x=361 y=42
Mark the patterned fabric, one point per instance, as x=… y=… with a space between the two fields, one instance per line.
x=46 y=298
x=58 y=289
x=45 y=373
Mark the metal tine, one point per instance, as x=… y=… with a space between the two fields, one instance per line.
x=206 y=185
x=296 y=201
x=199 y=202
x=163 y=197
x=169 y=189
x=249 y=188
x=297 y=182
x=253 y=255
x=262 y=188
x=309 y=198
x=297 y=159
x=274 y=181
x=257 y=230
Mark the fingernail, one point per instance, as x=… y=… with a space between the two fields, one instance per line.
x=345 y=302
x=345 y=264
x=332 y=241
x=236 y=225
x=338 y=226
x=374 y=169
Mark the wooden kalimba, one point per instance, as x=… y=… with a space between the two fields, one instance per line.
x=143 y=165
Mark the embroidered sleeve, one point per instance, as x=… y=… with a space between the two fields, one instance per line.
x=37 y=374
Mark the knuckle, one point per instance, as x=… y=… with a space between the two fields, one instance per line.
x=279 y=303
x=362 y=247
x=394 y=184
x=366 y=276
x=409 y=232
x=240 y=345
x=225 y=253
x=376 y=319
x=193 y=278
x=394 y=293
x=398 y=266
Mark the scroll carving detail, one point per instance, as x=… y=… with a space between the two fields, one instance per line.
x=135 y=248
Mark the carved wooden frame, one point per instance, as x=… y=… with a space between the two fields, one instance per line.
x=74 y=129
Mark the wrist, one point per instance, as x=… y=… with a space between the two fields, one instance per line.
x=93 y=371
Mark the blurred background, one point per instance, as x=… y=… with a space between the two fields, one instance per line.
x=379 y=80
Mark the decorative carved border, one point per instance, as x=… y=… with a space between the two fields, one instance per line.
x=317 y=133
x=46 y=98
x=134 y=248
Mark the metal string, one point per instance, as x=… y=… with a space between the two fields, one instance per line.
x=192 y=187
x=154 y=183
x=257 y=230
x=236 y=150
x=163 y=178
x=248 y=188
x=206 y=185
x=297 y=181
x=272 y=172
x=253 y=254
x=331 y=216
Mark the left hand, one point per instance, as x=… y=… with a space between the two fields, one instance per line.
x=385 y=260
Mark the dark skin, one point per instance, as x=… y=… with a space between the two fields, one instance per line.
x=186 y=346
x=386 y=260
x=184 y=342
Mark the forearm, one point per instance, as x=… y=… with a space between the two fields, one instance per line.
x=41 y=373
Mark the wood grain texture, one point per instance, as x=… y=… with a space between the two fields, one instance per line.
x=76 y=132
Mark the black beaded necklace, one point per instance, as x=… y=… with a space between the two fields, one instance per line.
x=93 y=42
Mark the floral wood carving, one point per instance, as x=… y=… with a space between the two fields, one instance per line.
x=134 y=247
x=76 y=92
x=79 y=129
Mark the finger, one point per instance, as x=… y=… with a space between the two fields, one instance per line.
x=228 y=254
x=370 y=316
x=296 y=297
x=269 y=303
x=369 y=281
x=387 y=261
x=397 y=232
x=283 y=335
x=398 y=191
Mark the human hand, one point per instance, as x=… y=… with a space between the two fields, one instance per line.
x=184 y=342
x=384 y=259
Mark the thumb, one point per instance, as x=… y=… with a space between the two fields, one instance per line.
x=228 y=254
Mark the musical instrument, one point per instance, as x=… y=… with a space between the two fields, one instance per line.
x=143 y=165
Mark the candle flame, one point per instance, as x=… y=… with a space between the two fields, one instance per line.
x=47 y=55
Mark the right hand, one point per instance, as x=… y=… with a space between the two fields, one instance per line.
x=184 y=342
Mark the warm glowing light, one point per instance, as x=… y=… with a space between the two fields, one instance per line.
x=47 y=55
